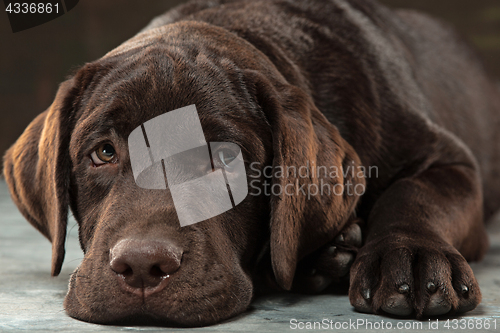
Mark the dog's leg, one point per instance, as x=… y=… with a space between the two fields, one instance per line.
x=420 y=233
x=328 y=265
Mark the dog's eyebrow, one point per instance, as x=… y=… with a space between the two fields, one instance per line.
x=97 y=133
x=87 y=140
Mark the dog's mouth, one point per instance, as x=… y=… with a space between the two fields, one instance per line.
x=197 y=294
x=143 y=317
x=144 y=289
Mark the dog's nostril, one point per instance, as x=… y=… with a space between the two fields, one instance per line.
x=157 y=271
x=119 y=266
x=144 y=263
x=128 y=272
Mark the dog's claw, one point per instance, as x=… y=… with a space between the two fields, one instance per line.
x=332 y=250
x=340 y=238
x=366 y=293
x=464 y=289
x=351 y=235
x=431 y=287
x=404 y=289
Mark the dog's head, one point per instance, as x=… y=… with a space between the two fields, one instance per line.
x=139 y=263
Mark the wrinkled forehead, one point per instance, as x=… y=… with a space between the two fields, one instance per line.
x=141 y=85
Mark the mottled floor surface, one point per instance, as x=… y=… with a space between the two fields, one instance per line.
x=31 y=300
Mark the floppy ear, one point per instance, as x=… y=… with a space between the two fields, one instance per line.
x=37 y=170
x=317 y=179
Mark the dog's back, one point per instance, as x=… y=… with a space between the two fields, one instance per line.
x=393 y=67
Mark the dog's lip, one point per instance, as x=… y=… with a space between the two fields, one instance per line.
x=143 y=292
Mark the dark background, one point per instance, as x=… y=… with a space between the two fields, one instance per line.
x=33 y=62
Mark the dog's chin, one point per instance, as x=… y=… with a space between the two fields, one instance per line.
x=169 y=308
x=144 y=318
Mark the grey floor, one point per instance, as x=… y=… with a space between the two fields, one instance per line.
x=31 y=300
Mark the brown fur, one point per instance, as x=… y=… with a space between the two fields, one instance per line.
x=335 y=83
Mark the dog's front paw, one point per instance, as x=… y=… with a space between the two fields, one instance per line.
x=331 y=263
x=402 y=276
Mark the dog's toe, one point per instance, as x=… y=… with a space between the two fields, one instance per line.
x=437 y=305
x=421 y=278
x=362 y=301
x=331 y=263
x=351 y=235
x=398 y=305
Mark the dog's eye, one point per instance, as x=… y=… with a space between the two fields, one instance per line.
x=104 y=154
x=226 y=156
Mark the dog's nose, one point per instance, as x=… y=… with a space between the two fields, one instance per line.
x=144 y=264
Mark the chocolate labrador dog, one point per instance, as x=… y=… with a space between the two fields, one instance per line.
x=348 y=84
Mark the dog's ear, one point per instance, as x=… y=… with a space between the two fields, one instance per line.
x=37 y=167
x=317 y=177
